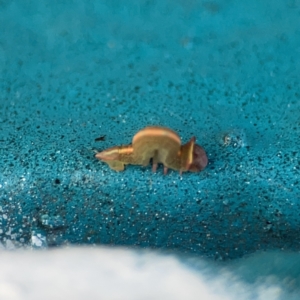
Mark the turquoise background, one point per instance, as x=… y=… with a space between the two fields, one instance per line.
x=224 y=71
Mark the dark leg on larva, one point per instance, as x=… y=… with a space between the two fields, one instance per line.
x=165 y=170
x=154 y=167
x=154 y=162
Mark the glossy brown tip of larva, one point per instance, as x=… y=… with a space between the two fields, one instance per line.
x=200 y=159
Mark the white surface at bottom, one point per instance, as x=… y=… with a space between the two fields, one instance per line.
x=110 y=273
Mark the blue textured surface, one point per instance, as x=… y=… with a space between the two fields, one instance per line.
x=224 y=71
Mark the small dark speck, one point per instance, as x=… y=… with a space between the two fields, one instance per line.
x=100 y=138
x=57 y=181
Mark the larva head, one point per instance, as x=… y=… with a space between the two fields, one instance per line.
x=108 y=154
x=193 y=157
x=111 y=157
x=116 y=157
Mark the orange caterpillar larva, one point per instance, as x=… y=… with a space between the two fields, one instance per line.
x=161 y=144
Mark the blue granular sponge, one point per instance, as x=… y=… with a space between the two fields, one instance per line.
x=224 y=71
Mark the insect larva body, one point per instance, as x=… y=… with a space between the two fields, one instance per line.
x=160 y=144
